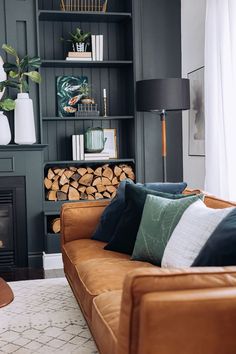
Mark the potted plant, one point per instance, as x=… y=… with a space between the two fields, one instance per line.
x=85 y=91
x=18 y=73
x=78 y=40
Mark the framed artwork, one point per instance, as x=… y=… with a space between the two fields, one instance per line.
x=111 y=143
x=69 y=94
x=196 y=139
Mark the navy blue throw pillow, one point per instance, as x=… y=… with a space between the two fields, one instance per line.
x=111 y=215
x=113 y=212
x=125 y=233
x=220 y=248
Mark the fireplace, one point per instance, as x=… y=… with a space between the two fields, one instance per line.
x=13 y=233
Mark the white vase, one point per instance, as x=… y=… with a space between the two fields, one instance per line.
x=24 y=120
x=5 y=132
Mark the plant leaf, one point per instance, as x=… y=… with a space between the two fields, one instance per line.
x=24 y=63
x=9 y=50
x=35 y=62
x=7 y=104
x=9 y=67
x=8 y=83
x=25 y=86
x=13 y=74
x=34 y=76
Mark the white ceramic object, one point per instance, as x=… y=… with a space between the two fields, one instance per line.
x=5 y=132
x=24 y=120
x=3 y=75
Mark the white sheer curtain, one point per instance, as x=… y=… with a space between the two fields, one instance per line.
x=220 y=98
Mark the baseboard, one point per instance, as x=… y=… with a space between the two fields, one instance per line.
x=52 y=261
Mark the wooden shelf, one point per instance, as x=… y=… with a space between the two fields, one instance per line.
x=87 y=118
x=88 y=16
x=85 y=64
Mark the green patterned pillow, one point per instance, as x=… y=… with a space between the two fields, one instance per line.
x=159 y=219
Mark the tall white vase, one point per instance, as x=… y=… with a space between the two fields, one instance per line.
x=5 y=132
x=24 y=120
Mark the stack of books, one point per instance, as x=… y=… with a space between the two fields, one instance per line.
x=79 y=56
x=77 y=147
x=97 y=47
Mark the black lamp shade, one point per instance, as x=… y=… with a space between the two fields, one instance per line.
x=158 y=94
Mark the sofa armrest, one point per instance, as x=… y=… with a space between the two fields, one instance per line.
x=191 y=321
x=162 y=281
x=79 y=220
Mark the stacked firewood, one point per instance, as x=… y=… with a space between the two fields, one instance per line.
x=85 y=183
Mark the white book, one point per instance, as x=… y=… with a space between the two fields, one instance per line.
x=96 y=158
x=101 y=47
x=74 y=147
x=94 y=47
x=100 y=154
x=81 y=139
x=98 y=47
x=78 y=59
x=77 y=148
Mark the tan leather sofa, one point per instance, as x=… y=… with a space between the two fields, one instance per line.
x=136 y=308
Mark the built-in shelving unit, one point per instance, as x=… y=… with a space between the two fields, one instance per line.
x=115 y=73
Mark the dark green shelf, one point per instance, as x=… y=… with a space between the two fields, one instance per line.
x=87 y=118
x=79 y=16
x=16 y=147
x=85 y=64
x=87 y=162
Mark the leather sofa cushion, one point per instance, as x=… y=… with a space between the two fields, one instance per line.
x=106 y=274
x=100 y=275
x=84 y=249
x=105 y=320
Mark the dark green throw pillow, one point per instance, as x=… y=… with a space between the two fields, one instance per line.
x=159 y=219
x=124 y=238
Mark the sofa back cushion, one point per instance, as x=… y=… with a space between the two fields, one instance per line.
x=159 y=219
x=125 y=234
x=114 y=211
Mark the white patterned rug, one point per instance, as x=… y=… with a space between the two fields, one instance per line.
x=44 y=318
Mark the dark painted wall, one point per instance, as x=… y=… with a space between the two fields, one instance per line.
x=18 y=28
x=157 y=28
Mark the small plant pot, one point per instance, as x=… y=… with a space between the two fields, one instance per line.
x=79 y=47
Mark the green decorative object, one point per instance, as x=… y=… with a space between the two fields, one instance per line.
x=94 y=140
x=159 y=219
x=70 y=92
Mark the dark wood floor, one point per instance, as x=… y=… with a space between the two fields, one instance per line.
x=29 y=274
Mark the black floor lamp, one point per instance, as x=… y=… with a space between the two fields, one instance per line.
x=161 y=95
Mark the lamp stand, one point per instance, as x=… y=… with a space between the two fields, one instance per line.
x=163 y=129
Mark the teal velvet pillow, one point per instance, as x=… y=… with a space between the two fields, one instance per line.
x=159 y=219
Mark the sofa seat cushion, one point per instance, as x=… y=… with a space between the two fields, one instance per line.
x=100 y=275
x=84 y=249
x=105 y=320
x=79 y=250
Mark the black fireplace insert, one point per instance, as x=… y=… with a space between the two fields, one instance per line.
x=13 y=232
